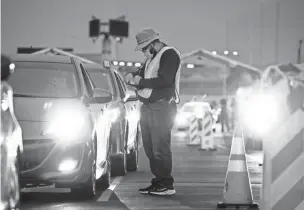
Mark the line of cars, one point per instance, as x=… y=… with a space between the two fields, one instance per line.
x=80 y=123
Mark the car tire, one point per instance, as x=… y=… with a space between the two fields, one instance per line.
x=119 y=161
x=119 y=165
x=105 y=180
x=132 y=158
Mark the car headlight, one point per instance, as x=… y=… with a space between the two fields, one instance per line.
x=260 y=113
x=66 y=125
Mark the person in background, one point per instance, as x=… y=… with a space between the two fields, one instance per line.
x=224 y=116
x=157 y=84
x=233 y=113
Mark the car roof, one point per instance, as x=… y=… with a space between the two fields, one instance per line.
x=41 y=58
x=95 y=66
x=197 y=103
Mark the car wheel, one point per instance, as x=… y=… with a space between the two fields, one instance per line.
x=119 y=164
x=119 y=161
x=14 y=196
x=132 y=158
x=105 y=180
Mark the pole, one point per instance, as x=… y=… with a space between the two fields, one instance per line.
x=227 y=34
x=224 y=87
x=300 y=51
x=106 y=52
x=251 y=43
x=116 y=50
x=261 y=32
x=277 y=32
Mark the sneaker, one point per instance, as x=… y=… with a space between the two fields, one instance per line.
x=160 y=190
x=146 y=190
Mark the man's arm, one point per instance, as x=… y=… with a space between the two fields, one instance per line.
x=169 y=63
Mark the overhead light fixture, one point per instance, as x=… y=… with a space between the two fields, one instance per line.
x=214 y=52
x=190 y=66
x=226 y=52
x=121 y=63
x=235 y=53
x=115 y=63
x=137 y=64
x=129 y=64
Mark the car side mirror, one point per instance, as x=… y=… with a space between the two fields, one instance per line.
x=7 y=67
x=101 y=96
x=130 y=96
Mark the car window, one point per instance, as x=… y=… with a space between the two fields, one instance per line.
x=102 y=80
x=122 y=82
x=188 y=108
x=196 y=108
x=87 y=80
x=43 y=79
x=120 y=86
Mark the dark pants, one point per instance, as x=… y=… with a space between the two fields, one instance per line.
x=224 y=122
x=156 y=122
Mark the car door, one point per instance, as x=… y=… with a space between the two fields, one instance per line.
x=102 y=127
x=131 y=111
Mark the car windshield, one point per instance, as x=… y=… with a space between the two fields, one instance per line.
x=195 y=108
x=189 y=108
x=44 y=79
x=102 y=80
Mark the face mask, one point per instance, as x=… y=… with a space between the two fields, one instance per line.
x=149 y=52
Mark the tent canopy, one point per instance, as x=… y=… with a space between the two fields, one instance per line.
x=220 y=59
x=56 y=51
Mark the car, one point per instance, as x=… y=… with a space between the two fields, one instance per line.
x=11 y=146
x=123 y=109
x=53 y=96
x=189 y=109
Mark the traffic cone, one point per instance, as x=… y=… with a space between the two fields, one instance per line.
x=237 y=190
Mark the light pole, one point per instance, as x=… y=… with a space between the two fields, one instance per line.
x=261 y=32
x=300 y=51
x=277 y=31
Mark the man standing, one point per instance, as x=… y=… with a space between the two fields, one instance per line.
x=157 y=85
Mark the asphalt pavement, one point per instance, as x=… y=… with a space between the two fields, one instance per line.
x=199 y=181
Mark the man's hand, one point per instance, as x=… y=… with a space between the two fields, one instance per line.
x=129 y=78
x=137 y=79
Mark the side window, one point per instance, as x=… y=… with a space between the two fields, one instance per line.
x=120 y=86
x=87 y=81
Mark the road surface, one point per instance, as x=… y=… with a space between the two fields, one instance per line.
x=199 y=177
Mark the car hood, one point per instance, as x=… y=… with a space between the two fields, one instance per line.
x=39 y=109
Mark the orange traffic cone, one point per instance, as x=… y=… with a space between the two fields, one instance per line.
x=237 y=191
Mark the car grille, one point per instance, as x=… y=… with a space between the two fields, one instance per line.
x=35 y=152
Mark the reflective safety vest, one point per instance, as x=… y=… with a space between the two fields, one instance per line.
x=151 y=71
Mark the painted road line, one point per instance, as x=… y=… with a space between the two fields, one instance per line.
x=105 y=196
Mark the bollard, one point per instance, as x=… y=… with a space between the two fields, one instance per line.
x=207 y=138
